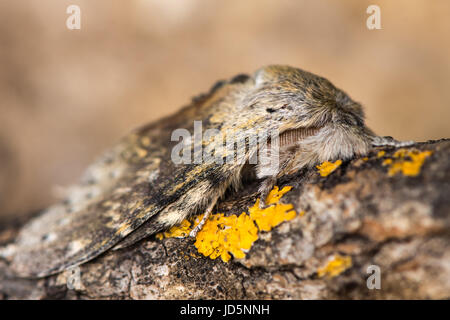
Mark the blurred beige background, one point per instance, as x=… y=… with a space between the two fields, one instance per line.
x=66 y=95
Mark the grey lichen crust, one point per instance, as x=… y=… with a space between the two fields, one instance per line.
x=398 y=223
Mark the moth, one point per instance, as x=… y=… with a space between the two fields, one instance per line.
x=136 y=189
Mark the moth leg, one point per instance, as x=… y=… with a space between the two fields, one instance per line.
x=208 y=211
x=285 y=157
x=389 y=141
x=264 y=190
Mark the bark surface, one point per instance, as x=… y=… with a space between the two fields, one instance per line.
x=368 y=212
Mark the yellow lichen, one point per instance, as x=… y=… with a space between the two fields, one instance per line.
x=223 y=235
x=275 y=214
x=328 y=167
x=400 y=153
x=381 y=153
x=408 y=162
x=179 y=231
x=276 y=194
x=335 y=266
x=365 y=158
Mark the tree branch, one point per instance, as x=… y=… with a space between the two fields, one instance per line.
x=370 y=211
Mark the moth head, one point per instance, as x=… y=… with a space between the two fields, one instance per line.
x=293 y=95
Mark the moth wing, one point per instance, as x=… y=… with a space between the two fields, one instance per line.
x=142 y=181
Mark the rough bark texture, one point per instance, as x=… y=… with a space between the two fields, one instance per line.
x=358 y=212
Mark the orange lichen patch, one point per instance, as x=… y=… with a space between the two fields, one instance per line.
x=328 y=167
x=179 y=231
x=223 y=236
x=335 y=266
x=400 y=153
x=408 y=162
x=381 y=153
x=275 y=214
x=276 y=194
